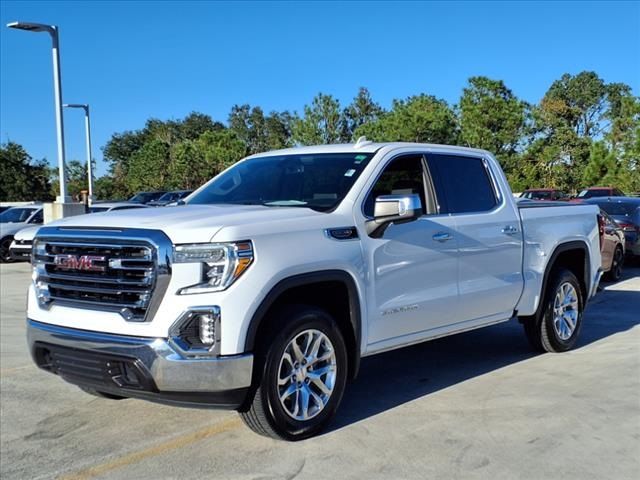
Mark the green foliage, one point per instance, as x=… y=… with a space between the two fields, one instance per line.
x=584 y=131
x=260 y=133
x=23 y=179
x=492 y=118
x=422 y=118
x=321 y=123
x=361 y=111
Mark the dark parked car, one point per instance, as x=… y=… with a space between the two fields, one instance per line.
x=626 y=212
x=169 y=197
x=611 y=246
x=146 y=197
x=544 y=194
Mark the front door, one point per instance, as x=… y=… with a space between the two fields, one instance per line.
x=413 y=276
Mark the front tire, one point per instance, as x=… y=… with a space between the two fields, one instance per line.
x=555 y=328
x=303 y=375
x=5 y=254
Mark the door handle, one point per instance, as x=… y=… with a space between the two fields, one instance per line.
x=442 y=237
x=510 y=230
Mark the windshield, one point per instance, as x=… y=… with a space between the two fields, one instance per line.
x=619 y=209
x=594 y=193
x=318 y=181
x=537 y=195
x=144 y=197
x=16 y=215
x=98 y=209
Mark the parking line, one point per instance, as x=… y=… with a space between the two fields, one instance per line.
x=4 y=371
x=135 y=457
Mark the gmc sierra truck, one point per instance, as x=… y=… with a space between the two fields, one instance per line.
x=265 y=288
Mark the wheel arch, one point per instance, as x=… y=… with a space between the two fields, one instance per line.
x=573 y=255
x=306 y=282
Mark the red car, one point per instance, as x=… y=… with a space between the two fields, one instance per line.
x=543 y=194
x=599 y=192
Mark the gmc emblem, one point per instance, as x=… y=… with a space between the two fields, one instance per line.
x=80 y=262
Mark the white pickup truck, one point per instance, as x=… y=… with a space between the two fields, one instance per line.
x=265 y=289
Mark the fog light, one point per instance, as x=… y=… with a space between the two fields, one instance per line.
x=207 y=328
x=196 y=333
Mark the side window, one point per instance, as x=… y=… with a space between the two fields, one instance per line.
x=403 y=176
x=462 y=184
x=38 y=217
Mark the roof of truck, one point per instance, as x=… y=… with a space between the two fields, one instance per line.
x=363 y=146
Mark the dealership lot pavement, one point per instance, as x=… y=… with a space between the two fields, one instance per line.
x=476 y=405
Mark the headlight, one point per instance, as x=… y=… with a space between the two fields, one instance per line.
x=222 y=263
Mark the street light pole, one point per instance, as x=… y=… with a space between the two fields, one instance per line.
x=87 y=124
x=52 y=30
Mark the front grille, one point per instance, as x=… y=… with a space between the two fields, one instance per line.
x=118 y=274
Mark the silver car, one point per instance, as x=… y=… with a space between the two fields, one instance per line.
x=14 y=219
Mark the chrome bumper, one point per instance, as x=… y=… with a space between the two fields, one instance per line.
x=166 y=369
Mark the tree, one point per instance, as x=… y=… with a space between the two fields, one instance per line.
x=149 y=167
x=360 y=111
x=421 y=118
x=23 y=179
x=321 y=123
x=260 y=133
x=492 y=118
x=575 y=111
x=602 y=168
x=77 y=178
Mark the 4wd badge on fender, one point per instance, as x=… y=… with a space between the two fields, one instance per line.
x=80 y=262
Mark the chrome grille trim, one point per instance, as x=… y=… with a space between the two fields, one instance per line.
x=137 y=269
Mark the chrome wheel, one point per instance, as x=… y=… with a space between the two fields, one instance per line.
x=306 y=375
x=565 y=311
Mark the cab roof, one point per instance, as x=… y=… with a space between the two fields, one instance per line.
x=363 y=146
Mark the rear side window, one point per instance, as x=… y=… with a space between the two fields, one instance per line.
x=462 y=184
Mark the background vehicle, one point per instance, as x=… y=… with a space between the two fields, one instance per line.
x=20 y=248
x=592 y=192
x=626 y=212
x=611 y=246
x=11 y=221
x=146 y=197
x=263 y=292
x=544 y=194
x=169 y=197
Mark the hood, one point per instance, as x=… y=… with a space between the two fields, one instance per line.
x=11 y=228
x=187 y=223
x=27 y=233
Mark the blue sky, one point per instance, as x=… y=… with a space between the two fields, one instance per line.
x=135 y=60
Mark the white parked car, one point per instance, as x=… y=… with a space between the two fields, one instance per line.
x=13 y=220
x=266 y=289
x=20 y=247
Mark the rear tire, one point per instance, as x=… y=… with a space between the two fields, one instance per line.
x=556 y=326
x=615 y=274
x=302 y=376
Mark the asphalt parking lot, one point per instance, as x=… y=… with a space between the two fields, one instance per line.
x=476 y=405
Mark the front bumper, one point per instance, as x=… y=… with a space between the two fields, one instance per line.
x=20 y=252
x=139 y=367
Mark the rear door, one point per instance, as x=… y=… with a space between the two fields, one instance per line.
x=487 y=230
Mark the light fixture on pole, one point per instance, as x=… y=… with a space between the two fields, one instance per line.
x=87 y=124
x=52 y=30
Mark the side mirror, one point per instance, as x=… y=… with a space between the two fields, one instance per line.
x=393 y=209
